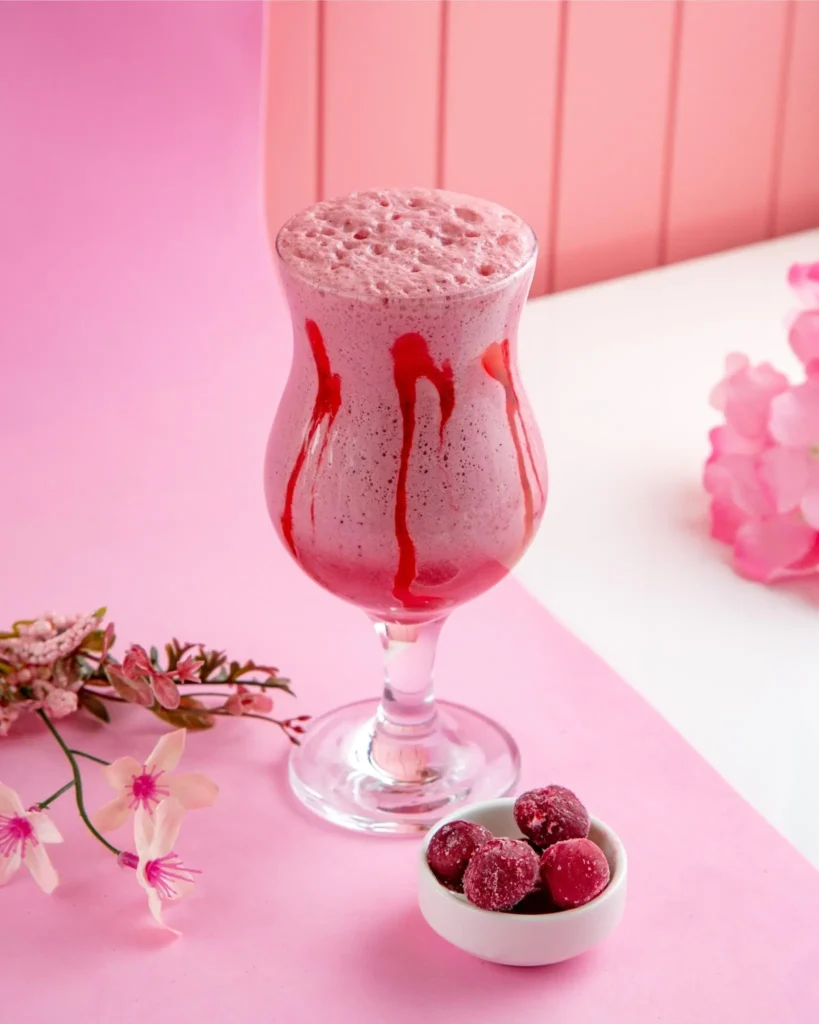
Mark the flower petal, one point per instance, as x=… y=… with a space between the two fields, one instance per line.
x=119 y=773
x=135 y=691
x=804 y=279
x=41 y=868
x=786 y=472
x=809 y=506
x=44 y=828
x=10 y=804
x=8 y=866
x=765 y=548
x=804 y=336
x=144 y=830
x=795 y=415
x=194 y=790
x=155 y=906
x=112 y=815
x=167 y=822
x=166 y=754
x=726 y=519
x=165 y=691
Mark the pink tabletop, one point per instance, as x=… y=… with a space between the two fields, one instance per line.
x=144 y=346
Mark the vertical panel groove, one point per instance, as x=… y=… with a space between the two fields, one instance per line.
x=560 y=87
x=443 y=43
x=782 y=100
x=670 y=131
x=320 y=97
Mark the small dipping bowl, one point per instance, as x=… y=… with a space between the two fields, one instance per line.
x=522 y=940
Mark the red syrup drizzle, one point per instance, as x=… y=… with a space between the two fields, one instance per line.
x=412 y=361
x=496 y=362
x=326 y=406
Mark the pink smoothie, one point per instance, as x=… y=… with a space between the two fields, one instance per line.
x=404 y=470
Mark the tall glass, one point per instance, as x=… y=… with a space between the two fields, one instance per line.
x=404 y=473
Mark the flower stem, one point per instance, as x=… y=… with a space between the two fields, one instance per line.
x=90 y=757
x=75 y=768
x=64 y=789
x=263 y=718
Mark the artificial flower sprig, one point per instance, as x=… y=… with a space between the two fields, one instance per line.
x=156 y=796
x=763 y=471
x=60 y=664
x=57 y=665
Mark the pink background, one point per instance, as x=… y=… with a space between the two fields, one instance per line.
x=629 y=134
x=144 y=347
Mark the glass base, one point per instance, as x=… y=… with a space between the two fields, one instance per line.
x=356 y=770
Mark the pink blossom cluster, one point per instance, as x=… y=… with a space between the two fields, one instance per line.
x=40 y=672
x=763 y=471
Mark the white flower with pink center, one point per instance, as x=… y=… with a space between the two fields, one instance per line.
x=142 y=787
x=159 y=869
x=23 y=835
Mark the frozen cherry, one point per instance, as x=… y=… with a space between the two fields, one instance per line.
x=574 y=872
x=551 y=815
x=450 y=849
x=500 y=874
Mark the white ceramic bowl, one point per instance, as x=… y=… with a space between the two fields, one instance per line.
x=518 y=939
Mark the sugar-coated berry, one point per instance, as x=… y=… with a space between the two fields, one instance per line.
x=451 y=848
x=574 y=872
x=500 y=874
x=550 y=815
x=537 y=902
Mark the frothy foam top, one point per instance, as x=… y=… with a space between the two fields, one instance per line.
x=396 y=243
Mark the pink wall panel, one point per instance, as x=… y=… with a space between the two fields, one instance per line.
x=500 y=107
x=725 y=129
x=381 y=80
x=798 y=193
x=616 y=95
x=291 y=105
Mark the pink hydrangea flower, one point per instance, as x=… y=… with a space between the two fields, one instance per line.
x=804 y=279
x=142 y=787
x=23 y=835
x=48 y=639
x=8 y=716
x=159 y=869
x=58 y=703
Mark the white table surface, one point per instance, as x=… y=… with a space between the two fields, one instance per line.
x=619 y=376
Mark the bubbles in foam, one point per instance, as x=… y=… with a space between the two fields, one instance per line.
x=406 y=243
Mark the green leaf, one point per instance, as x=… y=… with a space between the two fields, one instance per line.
x=155 y=658
x=94 y=641
x=92 y=704
x=191 y=714
x=100 y=612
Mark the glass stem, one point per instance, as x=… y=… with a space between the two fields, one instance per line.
x=407 y=708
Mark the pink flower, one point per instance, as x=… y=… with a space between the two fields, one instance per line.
x=59 y=703
x=243 y=701
x=22 y=837
x=159 y=869
x=45 y=641
x=744 y=395
x=8 y=716
x=804 y=279
x=137 y=680
x=141 y=787
x=792 y=470
x=804 y=339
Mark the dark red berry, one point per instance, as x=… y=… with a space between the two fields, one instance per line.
x=574 y=872
x=551 y=815
x=500 y=874
x=450 y=849
x=537 y=902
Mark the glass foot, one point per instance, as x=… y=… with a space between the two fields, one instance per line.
x=361 y=772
